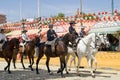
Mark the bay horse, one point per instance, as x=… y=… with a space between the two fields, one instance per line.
x=29 y=51
x=8 y=51
x=61 y=51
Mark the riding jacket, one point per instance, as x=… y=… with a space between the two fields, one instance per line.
x=82 y=34
x=72 y=30
x=51 y=35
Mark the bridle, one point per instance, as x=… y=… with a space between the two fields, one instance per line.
x=96 y=39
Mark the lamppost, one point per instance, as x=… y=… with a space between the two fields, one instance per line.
x=38 y=8
x=23 y=24
x=81 y=13
x=112 y=6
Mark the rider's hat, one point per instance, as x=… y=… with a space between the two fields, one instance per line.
x=1 y=29
x=24 y=31
x=72 y=22
x=50 y=25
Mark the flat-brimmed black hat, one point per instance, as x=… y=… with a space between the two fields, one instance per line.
x=72 y=22
x=24 y=31
x=50 y=25
x=1 y=29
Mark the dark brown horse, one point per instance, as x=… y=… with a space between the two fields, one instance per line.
x=29 y=51
x=8 y=51
x=61 y=51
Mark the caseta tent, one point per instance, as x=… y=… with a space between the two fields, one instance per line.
x=109 y=27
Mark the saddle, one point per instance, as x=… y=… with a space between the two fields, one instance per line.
x=52 y=44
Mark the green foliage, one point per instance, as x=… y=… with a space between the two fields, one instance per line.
x=61 y=15
x=7 y=31
x=88 y=17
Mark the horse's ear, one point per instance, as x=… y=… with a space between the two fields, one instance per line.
x=98 y=34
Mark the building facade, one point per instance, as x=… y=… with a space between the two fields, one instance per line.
x=2 y=18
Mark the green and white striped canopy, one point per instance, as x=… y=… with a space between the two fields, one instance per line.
x=106 y=27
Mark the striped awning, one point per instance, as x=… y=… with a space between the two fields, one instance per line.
x=105 y=30
x=106 y=27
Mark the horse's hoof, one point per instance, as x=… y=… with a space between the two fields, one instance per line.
x=69 y=69
x=51 y=73
x=93 y=75
x=62 y=76
x=23 y=67
x=29 y=66
x=59 y=70
x=37 y=72
x=9 y=72
x=5 y=68
x=32 y=69
x=78 y=74
x=67 y=72
x=94 y=71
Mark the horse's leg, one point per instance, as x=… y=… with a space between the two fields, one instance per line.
x=79 y=60
x=73 y=59
x=47 y=64
x=9 y=65
x=22 y=60
x=63 y=65
x=32 y=62
x=89 y=59
x=14 y=61
x=95 y=62
x=29 y=57
x=6 y=59
x=67 y=58
x=37 y=62
x=15 y=57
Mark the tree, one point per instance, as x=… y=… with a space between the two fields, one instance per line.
x=61 y=15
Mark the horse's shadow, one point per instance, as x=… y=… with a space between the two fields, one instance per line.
x=27 y=74
x=86 y=73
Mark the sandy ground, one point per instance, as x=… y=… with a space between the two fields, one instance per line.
x=108 y=69
x=20 y=74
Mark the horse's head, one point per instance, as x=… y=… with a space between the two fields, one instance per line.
x=15 y=42
x=69 y=38
x=100 y=39
x=36 y=40
x=105 y=40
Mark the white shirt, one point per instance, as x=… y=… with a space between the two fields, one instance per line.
x=25 y=37
x=3 y=37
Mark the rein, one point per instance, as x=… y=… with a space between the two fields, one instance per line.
x=95 y=42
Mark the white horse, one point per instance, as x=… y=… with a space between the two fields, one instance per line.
x=72 y=53
x=93 y=51
x=88 y=47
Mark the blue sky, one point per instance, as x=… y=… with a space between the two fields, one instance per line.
x=11 y=8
